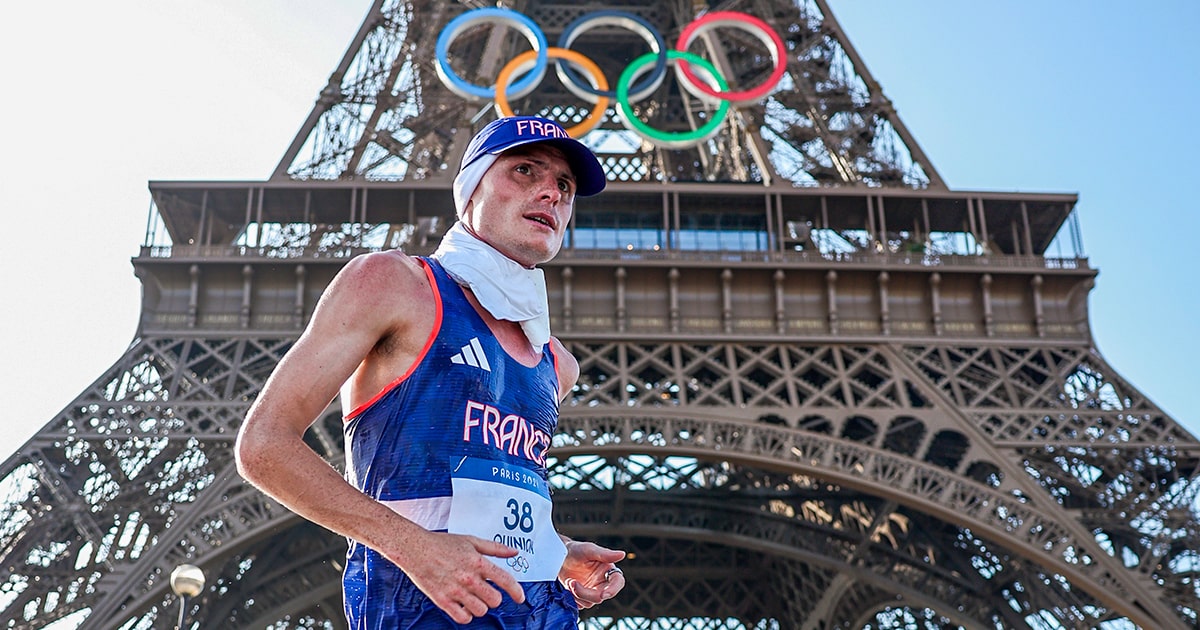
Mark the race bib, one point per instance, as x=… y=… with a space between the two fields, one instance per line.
x=510 y=505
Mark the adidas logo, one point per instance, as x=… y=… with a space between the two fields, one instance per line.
x=472 y=355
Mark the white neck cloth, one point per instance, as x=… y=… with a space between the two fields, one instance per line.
x=503 y=287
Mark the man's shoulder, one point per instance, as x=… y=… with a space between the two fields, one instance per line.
x=391 y=266
x=387 y=275
x=386 y=258
x=566 y=365
x=387 y=292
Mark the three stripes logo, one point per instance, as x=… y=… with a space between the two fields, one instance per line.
x=472 y=355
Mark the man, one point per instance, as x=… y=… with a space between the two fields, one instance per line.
x=450 y=382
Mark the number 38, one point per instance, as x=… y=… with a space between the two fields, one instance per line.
x=520 y=515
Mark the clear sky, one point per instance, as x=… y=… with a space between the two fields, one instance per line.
x=1094 y=97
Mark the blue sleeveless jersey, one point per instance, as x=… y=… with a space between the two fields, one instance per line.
x=464 y=397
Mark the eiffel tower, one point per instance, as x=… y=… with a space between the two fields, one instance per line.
x=819 y=388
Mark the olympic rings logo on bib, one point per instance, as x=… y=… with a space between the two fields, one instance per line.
x=521 y=75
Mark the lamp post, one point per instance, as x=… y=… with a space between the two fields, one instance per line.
x=187 y=580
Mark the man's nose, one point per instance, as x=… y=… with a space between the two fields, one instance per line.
x=549 y=189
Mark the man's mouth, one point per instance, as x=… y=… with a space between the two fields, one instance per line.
x=544 y=220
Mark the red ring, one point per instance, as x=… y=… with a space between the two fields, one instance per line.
x=739 y=20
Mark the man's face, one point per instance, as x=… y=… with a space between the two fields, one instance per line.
x=523 y=203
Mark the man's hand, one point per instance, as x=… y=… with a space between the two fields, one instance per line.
x=453 y=571
x=590 y=572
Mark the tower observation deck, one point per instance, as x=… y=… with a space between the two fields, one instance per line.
x=818 y=387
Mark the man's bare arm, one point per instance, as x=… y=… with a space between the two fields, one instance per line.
x=374 y=297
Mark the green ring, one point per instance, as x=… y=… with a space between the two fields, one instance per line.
x=669 y=140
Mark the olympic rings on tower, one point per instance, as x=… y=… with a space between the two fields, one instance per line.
x=521 y=63
x=712 y=21
x=680 y=140
x=696 y=75
x=519 y=21
x=613 y=18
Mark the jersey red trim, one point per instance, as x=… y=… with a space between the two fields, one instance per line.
x=557 y=375
x=437 y=327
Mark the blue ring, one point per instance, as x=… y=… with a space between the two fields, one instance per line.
x=649 y=84
x=523 y=23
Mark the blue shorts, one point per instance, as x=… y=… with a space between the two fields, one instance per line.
x=540 y=612
x=388 y=600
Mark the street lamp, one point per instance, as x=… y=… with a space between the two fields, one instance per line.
x=187 y=580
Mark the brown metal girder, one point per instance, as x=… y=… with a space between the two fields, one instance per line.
x=918 y=154
x=839 y=565
x=1030 y=551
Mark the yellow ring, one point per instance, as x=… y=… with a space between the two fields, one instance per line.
x=595 y=114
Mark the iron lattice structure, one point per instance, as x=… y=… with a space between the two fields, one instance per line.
x=818 y=389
